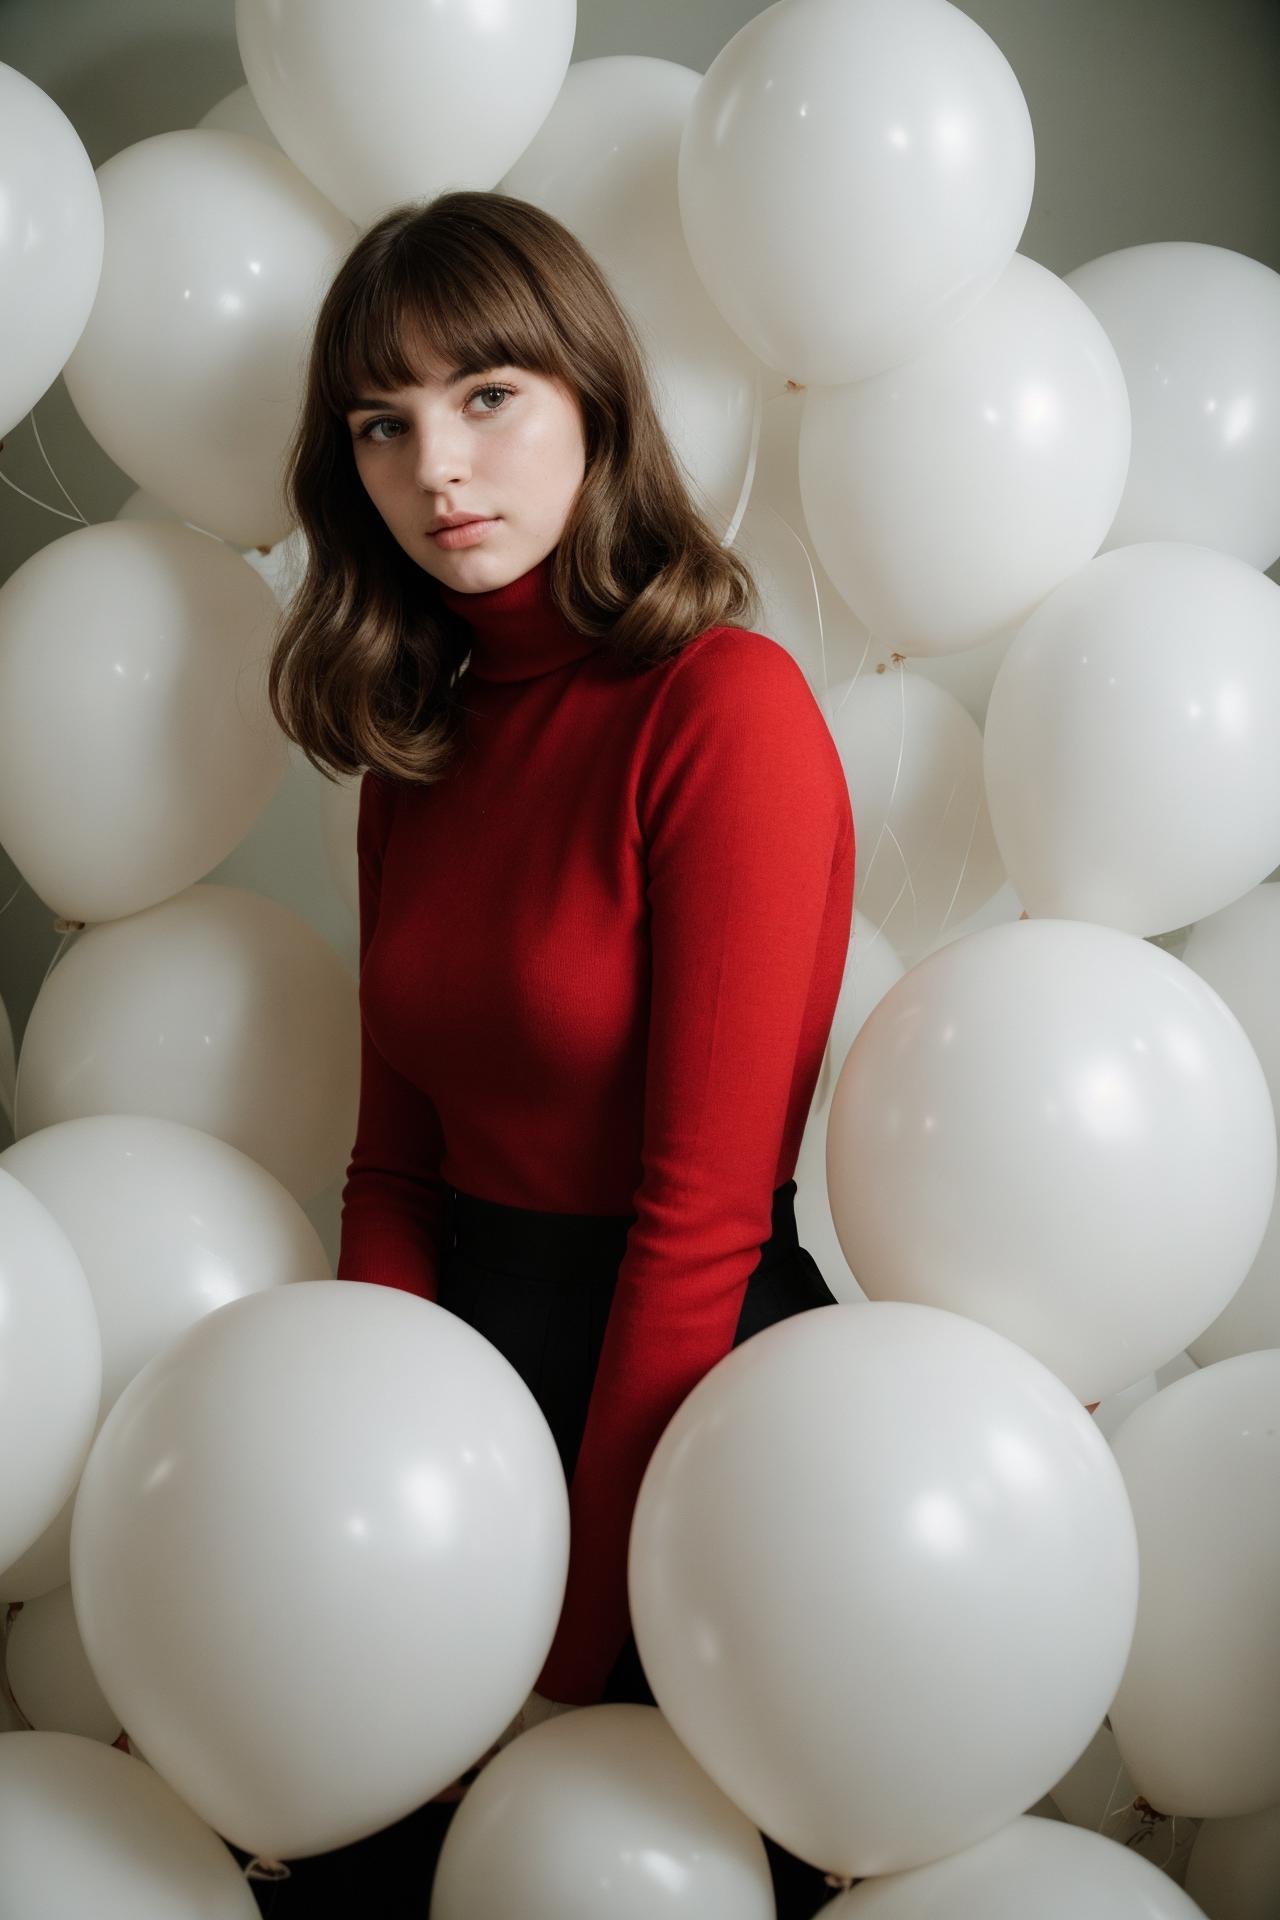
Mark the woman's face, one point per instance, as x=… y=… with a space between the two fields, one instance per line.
x=504 y=444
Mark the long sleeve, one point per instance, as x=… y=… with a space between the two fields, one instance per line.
x=393 y=1202
x=750 y=850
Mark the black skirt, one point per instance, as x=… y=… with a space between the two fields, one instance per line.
x=539 y=1286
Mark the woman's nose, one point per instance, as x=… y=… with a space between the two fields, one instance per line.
x=439 y=465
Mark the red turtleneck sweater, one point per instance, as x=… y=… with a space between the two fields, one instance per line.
x=599 y=965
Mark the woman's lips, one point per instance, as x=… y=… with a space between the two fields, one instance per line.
x=465 y=536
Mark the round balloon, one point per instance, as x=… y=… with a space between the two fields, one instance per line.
x=827 y=251
x=50 y=1367
x=947 y=497
x=219 y=1008
x=461 y=90
x=1032 y=1866
x=1197 y=330
x=602 y=1805
x=168 y=1223
x=51 y=243
x=318 y=1559
x=87 y=1829
x=49 y=1673
x=137 y=745
x=190 y=369
x=856 y=1581
x=1195 y=1716
x=1058 y=1130
x=1132 y=745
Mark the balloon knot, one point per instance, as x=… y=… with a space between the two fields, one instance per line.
x=263 y=1867
x=841 y=1880
x=67 y=926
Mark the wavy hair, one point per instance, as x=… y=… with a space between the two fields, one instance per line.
x=365 y=661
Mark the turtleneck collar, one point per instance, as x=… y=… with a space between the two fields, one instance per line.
x=517 y=631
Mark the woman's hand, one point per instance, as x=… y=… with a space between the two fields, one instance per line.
x=534 y=1710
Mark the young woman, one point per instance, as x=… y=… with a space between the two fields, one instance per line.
x=606 y=863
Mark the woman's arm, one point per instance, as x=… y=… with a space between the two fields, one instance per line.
x=393 y=1202
x=750 y=848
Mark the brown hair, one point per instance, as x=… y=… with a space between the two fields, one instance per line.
x=366 y=657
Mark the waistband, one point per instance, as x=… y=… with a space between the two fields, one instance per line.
x=528 y=1241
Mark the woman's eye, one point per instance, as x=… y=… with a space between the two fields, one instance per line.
x=367 y=431
x=490 y=389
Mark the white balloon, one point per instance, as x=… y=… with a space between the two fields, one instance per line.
x=802 y=609
x=1132 y=745
x=859 y=1541
x=1234 y=1870
x=49 y=1673
x=854 y=175
x=1032 y=1867
x=1237 y=950
x=169 y=1224
x=603 y=163
x=912 y=756
x=318 y=1559
x=948 y=496
x=600 y=1810
x=50 y=243
x=1058 y=1130
x=387 y=103
x=1195 y=1716
x=219 y=1008
x=1197 y=329
x=85 y=1829
x=50 y=1368
x=238 y=112
x=190 y=370
x=136 y=742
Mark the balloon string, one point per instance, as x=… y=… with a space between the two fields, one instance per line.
x=77 y=515
x=1106 y=1812
x=750 y=475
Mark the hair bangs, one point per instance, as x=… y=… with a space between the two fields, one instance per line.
x=408 y=316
